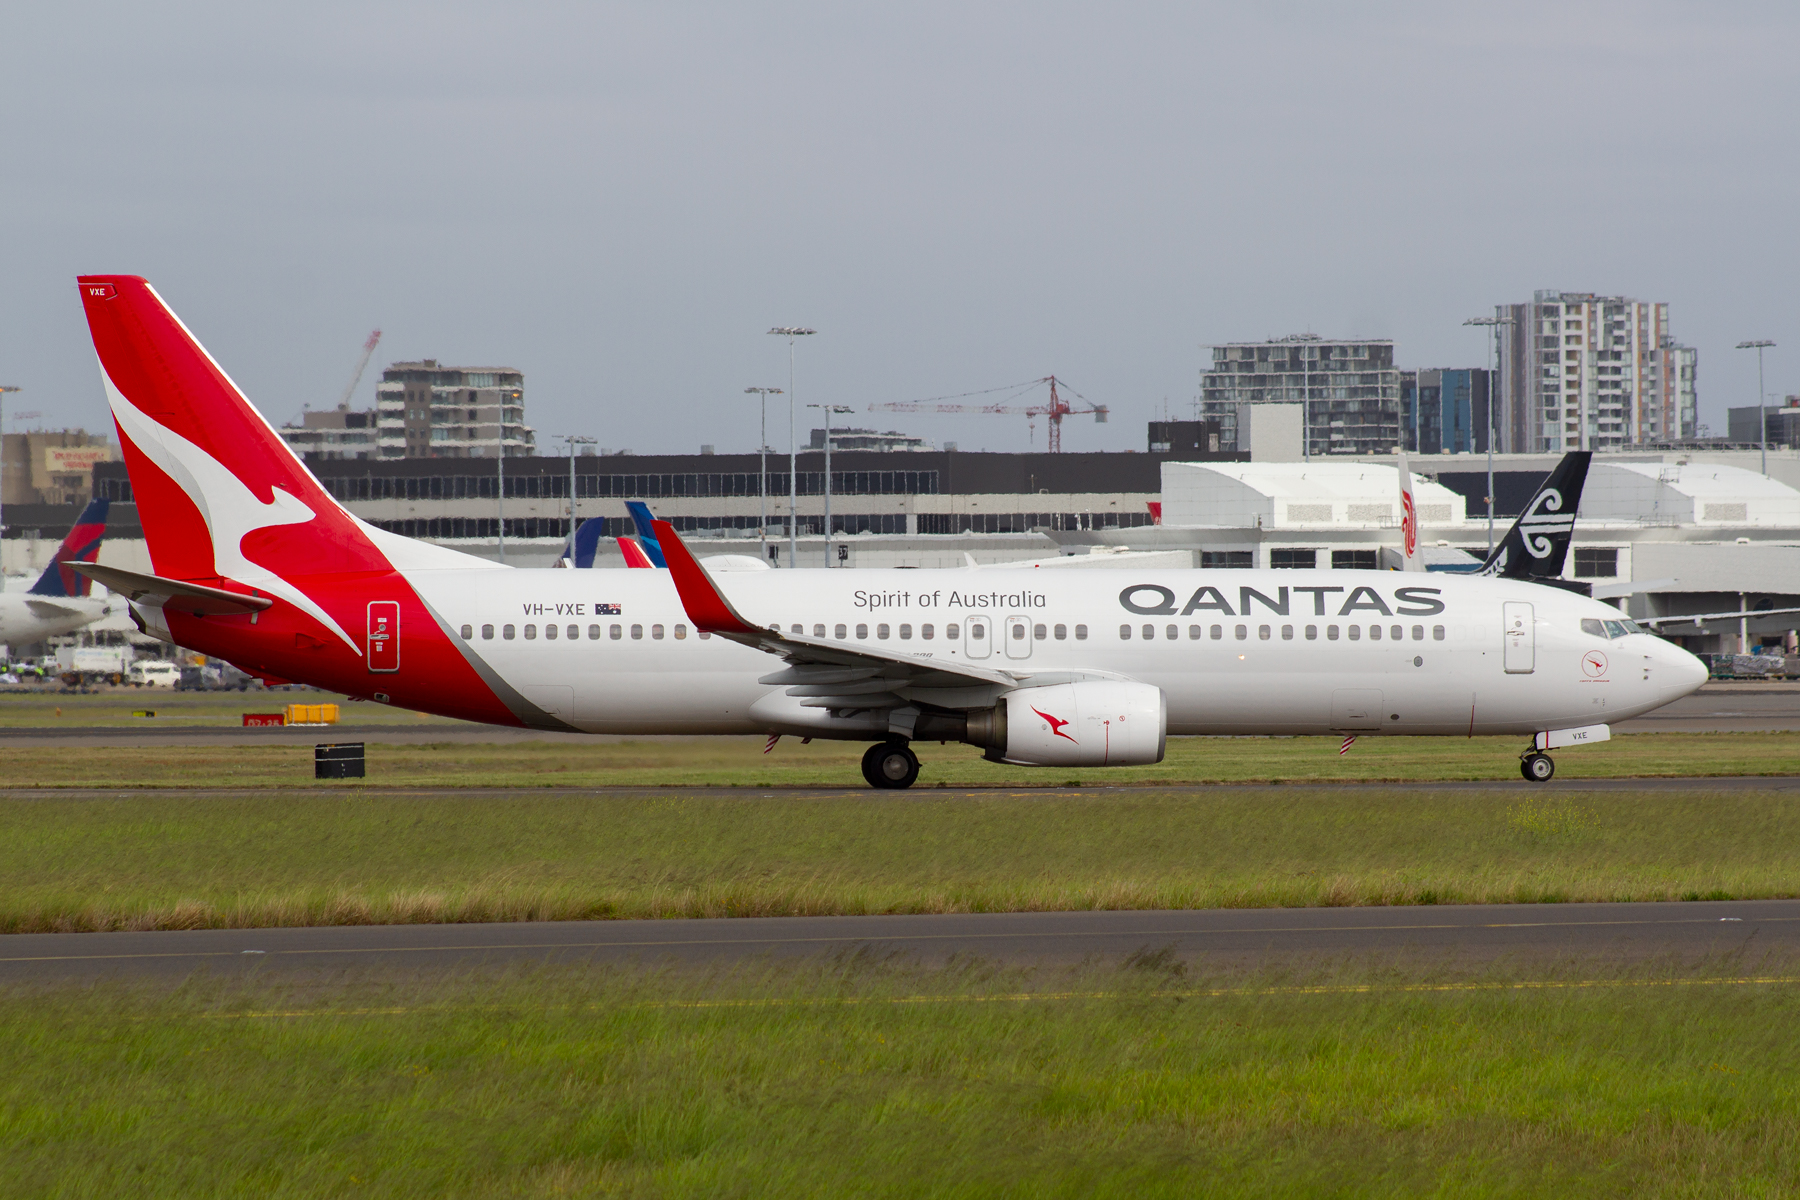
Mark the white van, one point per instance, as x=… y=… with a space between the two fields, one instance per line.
x=155 y=673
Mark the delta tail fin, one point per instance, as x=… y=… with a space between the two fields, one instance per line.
x=82 y=545
x=1537 y=545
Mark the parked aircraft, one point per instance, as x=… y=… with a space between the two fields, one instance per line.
x=61 y=600
x=256 y=563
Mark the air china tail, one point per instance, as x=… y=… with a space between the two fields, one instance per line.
x=256 y=563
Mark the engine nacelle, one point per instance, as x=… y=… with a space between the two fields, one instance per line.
x=1093 y=724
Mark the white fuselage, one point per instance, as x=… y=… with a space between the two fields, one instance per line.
x=26 y=618
x=1354 y=651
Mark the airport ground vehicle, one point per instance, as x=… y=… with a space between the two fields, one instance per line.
x=154 y=673
x=255 y=563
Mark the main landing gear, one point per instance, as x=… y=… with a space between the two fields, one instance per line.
x=1536 y=766
x=890 y=765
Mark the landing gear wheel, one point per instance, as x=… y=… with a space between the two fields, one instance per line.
x=1537 y=767
x=890 y=765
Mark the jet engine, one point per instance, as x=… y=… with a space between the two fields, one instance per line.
x=1092 y=724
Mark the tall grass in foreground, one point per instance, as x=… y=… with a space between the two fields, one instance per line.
x=173 y=860
x=869 y=1078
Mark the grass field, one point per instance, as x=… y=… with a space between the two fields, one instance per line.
x=871 y=1079
x=188 y=860
x=49 y=708
x=740 y=762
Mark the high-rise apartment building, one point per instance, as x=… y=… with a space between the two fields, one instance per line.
x=1351 y=389
x=1585 y=372
x=1445 y=411
x=431 y=411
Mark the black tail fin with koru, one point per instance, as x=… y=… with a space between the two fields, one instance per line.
x=1537 y=545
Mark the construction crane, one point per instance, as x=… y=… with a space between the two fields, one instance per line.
x=1055 y=410
x=362 y=364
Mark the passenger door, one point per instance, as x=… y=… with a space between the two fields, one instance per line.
x=1018 y=637
x=976 y=640
x=1521 y=637
x=384 y=636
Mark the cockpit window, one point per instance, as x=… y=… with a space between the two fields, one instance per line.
x=1616 y=629
x=1590 y=626
x=1630 y=625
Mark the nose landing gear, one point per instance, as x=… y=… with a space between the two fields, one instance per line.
x=890 y=765
x=1536 y=766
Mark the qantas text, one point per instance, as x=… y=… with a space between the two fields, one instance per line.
x=1149 y=599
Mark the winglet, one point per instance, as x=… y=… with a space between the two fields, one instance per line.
x=706 y=606
x=634 y=555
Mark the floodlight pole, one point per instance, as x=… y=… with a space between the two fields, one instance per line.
x=573 y=442
x=1493 y=356
x=4 y=388
x=790 y=332
x=1762 y=411
x=829 y=409
x=762 y=456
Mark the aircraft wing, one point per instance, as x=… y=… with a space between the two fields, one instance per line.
x=832 y=674
x=1698 y=618
x=49 y=610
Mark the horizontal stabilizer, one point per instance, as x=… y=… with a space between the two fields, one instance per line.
x=195 y=598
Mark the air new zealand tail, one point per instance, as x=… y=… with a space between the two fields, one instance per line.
x=1537 y=545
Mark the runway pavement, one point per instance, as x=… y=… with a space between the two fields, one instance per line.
x=1568 y=934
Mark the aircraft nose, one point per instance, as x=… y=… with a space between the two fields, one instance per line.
x=1682 y=673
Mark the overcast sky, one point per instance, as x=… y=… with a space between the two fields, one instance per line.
x=620 y=199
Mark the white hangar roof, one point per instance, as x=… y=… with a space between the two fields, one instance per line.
x=1299 y=495
x=1649 y=493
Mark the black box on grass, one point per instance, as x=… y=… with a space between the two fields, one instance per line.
x=338 y=760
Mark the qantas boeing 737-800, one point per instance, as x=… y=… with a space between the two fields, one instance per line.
x=256 y=563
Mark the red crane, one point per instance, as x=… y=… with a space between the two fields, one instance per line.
x=1055 y=410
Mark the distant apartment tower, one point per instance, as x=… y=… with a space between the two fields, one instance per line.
x=1445 y=411
x=1351 y=389
x=430 y=411
x=1585 y=372
x=888 y=442
x=333 y=433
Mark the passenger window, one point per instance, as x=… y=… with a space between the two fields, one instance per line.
x=1173 y=633
x=531 y=633
x=927 y=632
x=468 y=633
x=881 y=631
x=906 y=633
x=1062 y=633
x=1287 y=633
x=1018 y=633
x=656 y=632
x=1592 y=627
x=1243 y=632
x=549 y=632
x=637 y=633
x=862 y=633
x=1124 y=633
x=1218 y=631
x=1397 y=633
x=1437 y=633
x=1355 y=632
x=1614 y=629
x=680 y=632
x=818 y=631
x=1081 y=633
x=1418 y=633
x=704 y=636
x=1262 y=631
x=615 y=632
x=1331 y=633
x=798 y=630
x=1039 y=632
x=1374 y=633
x=1149 y=633
x=841 y=632
x=487 y=633
x=593 y=633
x=978 y=632
x=951 y=631
x=1312 y=633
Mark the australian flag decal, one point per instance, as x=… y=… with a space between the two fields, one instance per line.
x=607 y=610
